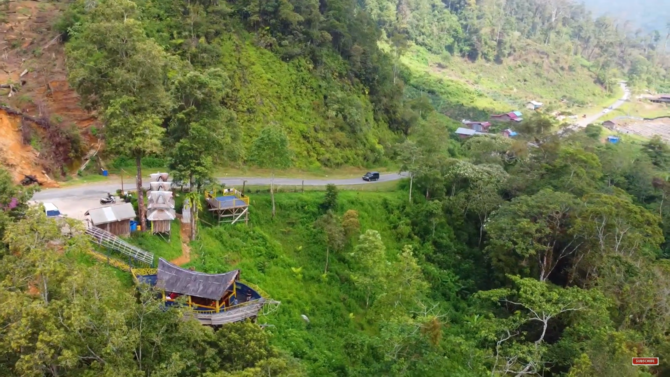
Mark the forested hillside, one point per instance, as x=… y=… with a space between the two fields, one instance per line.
x=347 y=80
x=546 y=261
x=559 y=35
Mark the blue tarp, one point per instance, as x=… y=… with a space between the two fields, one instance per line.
x=148 y=279
x=613 y=139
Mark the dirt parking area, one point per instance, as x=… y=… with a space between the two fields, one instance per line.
x=75 y=208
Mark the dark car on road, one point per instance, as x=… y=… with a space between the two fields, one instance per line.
x=371 y=176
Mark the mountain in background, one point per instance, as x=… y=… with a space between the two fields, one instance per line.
x=648 y=15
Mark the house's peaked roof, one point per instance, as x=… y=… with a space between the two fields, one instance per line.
x=197 y=284
x=466 y=131
x=160 y=186
x=160 y=214
x=160 y=199
x=159 y=177
x=472 y=123
x=111 y=214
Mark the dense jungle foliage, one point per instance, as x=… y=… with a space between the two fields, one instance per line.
x=542 y=261
x=316 y=68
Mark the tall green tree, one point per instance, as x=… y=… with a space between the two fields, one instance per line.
x=531 y=235
x=658 y=151
x=115 y=67
x=271 y=150
x=201 y=129
x=371 y=274
x=136 y=133
x=519 y=337
x=410 y=157
x=333 y=231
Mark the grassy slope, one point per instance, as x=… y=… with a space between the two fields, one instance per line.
x=285 y=258
x=532 y=74
x=265 y=89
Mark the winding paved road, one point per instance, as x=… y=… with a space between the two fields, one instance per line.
x=626 y=95
x=100 y=190
x=75 y=201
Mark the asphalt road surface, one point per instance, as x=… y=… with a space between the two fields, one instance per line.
x=586 y=121
x=75 y=201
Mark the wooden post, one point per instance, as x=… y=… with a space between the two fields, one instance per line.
x=244 y=183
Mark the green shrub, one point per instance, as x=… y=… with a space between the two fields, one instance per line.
x=593 y=131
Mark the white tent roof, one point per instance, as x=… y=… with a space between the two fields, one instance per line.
x=112 y=214
x=467 y=131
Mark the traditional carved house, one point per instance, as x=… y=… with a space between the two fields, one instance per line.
x=216 y=299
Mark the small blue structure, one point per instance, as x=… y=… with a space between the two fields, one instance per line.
x=613 y=139
x=133 y=226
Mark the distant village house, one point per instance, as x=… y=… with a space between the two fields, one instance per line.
x=610 y=124
x=534 y=105
x=477 y=126
x=514 y=116
x=465 y=133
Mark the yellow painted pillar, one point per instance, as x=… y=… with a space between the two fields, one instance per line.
x=163 y=293
x=189 y=301
x=217 y=306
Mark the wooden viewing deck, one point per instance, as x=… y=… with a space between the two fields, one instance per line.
x=230 y=206
x=234 y=314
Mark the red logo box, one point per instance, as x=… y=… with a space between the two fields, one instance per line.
x=645 y=361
